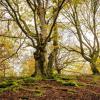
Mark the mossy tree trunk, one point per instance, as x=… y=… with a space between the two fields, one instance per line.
x=94 y=68
x=59 y=71
x=50 y=65
x=40 y=63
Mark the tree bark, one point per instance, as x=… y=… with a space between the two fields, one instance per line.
x=94 y=68
x=4 y=72
x=50 y=65
x=40 y=63
x=59 y=71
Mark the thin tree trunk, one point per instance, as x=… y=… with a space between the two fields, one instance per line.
x=59 y=71
x=50 y=65
x=4 y=72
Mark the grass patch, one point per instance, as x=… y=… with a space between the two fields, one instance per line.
x=28 y=80
x=95 y=79
x=73 y=83
x=8 y=85
x=71 y=91
x=47 y=86
x=67 y=77
x=70 y=83
x=24 y=98
x=38 y=93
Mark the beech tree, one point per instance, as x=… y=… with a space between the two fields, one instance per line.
x=37 y=28
x=82 y=18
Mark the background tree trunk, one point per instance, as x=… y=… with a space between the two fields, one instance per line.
x=94 y=68
x=50 y=65
x=59 y=71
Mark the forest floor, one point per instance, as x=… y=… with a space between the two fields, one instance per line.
x=60 y=88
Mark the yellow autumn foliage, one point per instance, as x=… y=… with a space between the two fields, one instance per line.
x=28 y=66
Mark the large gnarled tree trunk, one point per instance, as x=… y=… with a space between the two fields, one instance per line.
x=40 y=62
